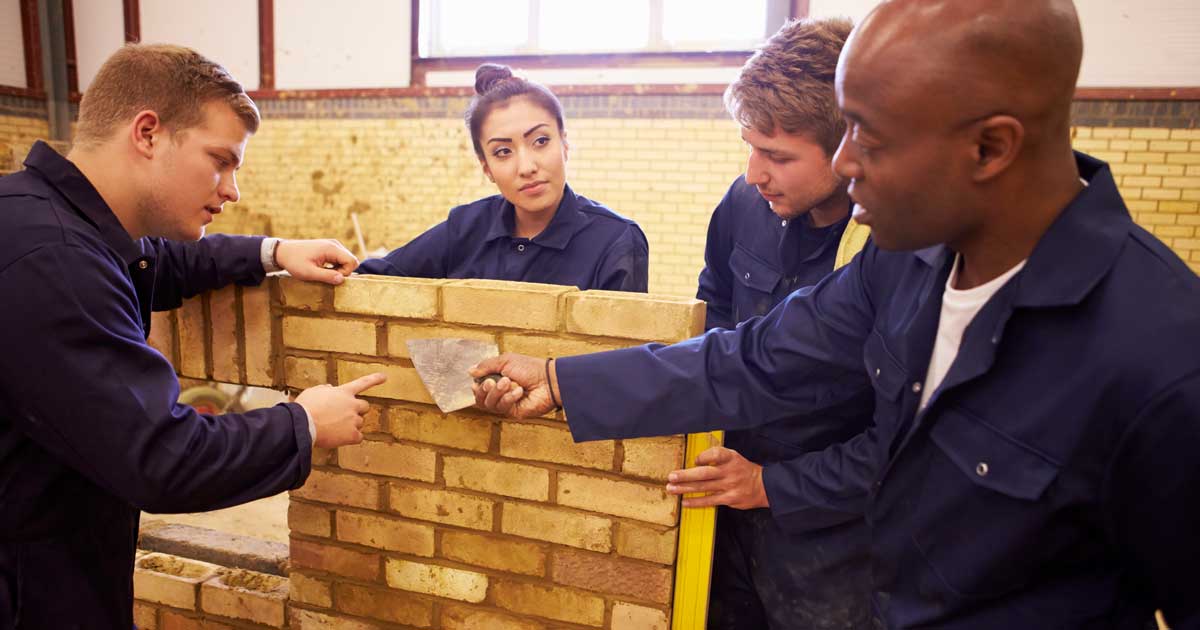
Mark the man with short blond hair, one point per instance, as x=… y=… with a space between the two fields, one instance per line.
x=91 y=430
x=781 y=563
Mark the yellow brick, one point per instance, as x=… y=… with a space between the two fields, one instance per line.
x=403 y=383
x=1153 y=133
x=170 y=580
x=387 y=533
x=643 y=502
x=1141 y=205
x=1186 y=243
x=310 y=590
x=644 y=317
x=1193 y=170
x=1172 y=231
x=1189 y=219
x=1128 y=169
x=428 y=579
x=162 y=334
x=646 y=542
x=192 y=361
x=402 y=461
x=464 y=618
x=260 y=344
x=441 y=506
x=334 y=335
x=552 y=444
x=1146 y=157
x=310 y=520
x=564 y=527
x=399 y=334
x=1181 y=182
x=1090 y=144
x=223 y=309
x=508 y=304
x=1161 y=194
x=1165 y=169
x=1156 y=218
x=1129 y=193
x=493 y=552
x=561 y=604
x=1141 y=182
x=415 y=298
x=1174 y=146
x=1110 y=132
x=557 y=346
x=1191 y=195
x=303 y=372
x=630 y=617
x=1178 y=206
x=306 y=296
x=454 y=430
x=1185 y=134
x=300 y=619
x=145 y=617
x=1128 y=145
x=503 y=478
x=340 y=489
x=249 y=595
x=1081 y=132
x=1183 y=158
x=653 y=458
x=381 y=604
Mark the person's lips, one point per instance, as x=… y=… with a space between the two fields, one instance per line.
x=534 y=188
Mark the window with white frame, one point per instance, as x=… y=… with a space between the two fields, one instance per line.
x=472 y=28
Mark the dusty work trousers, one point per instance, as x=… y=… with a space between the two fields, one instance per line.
x=767 y=579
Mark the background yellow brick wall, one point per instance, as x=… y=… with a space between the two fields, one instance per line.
x=401 y=176
x=1158 y=173
x=17 y=134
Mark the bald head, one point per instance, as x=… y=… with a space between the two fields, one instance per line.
x=951 y=61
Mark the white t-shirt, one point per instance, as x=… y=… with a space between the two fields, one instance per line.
x=959 y=307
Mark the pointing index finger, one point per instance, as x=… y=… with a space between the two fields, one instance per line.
x=363 y=383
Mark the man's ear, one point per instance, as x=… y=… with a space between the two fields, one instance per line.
x=997 y=142
x=147 y=133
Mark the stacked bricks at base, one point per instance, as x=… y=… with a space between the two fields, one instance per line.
x=457 y=521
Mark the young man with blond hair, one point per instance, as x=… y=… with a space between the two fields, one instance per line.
x=779 y=563
x=91 y=430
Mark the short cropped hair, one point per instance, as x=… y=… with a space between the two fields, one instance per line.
x=174 y=82
x=788 y=82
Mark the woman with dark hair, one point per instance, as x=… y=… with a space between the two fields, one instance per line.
x=537 y=229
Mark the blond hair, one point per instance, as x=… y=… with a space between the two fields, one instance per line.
x=788 y=82
x=172 y=81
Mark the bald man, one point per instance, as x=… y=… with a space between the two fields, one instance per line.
x=1032 y=352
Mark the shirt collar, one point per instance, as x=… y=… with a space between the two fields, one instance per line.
x=1081 y=245
x=568 y=220
x=67 y=179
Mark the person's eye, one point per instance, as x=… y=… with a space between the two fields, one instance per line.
x=541 y=141
x=501 y=152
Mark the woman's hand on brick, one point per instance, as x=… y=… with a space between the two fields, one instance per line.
x=523 y=390
x=336 y=413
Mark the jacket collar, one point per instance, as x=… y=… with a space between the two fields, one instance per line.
x=568 y=220
x=69 y=181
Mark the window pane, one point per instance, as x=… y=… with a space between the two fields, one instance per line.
x=479 y=27
x=714 y=24
x=592 y=26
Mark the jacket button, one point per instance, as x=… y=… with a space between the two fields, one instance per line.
x=783 y=223
x=916 y=387
x=747 y=275
x=521 y=247
x=143 y=264
x=981 y=469
x=876 y=372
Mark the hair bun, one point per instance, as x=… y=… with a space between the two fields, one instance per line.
x=488 y=75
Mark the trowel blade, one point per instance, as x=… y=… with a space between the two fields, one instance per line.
x=442 y=365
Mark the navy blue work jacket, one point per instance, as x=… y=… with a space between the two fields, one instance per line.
x=753 y=261
x=1053 y=480
x=90 y=428
x=585 y=245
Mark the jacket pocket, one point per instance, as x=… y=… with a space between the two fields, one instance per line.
x=754 y=284
x=885 y=371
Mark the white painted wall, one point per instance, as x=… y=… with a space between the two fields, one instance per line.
x=1126 y=43
x=322 y=44
x=12 y=45
x=99 y=32
x=225 y=31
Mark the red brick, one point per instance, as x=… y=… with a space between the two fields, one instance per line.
x=608 y=574
x=324 y=557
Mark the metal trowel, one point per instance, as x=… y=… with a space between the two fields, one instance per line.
x=443 y=366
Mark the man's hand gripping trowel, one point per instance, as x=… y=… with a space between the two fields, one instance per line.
x=443 y=366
